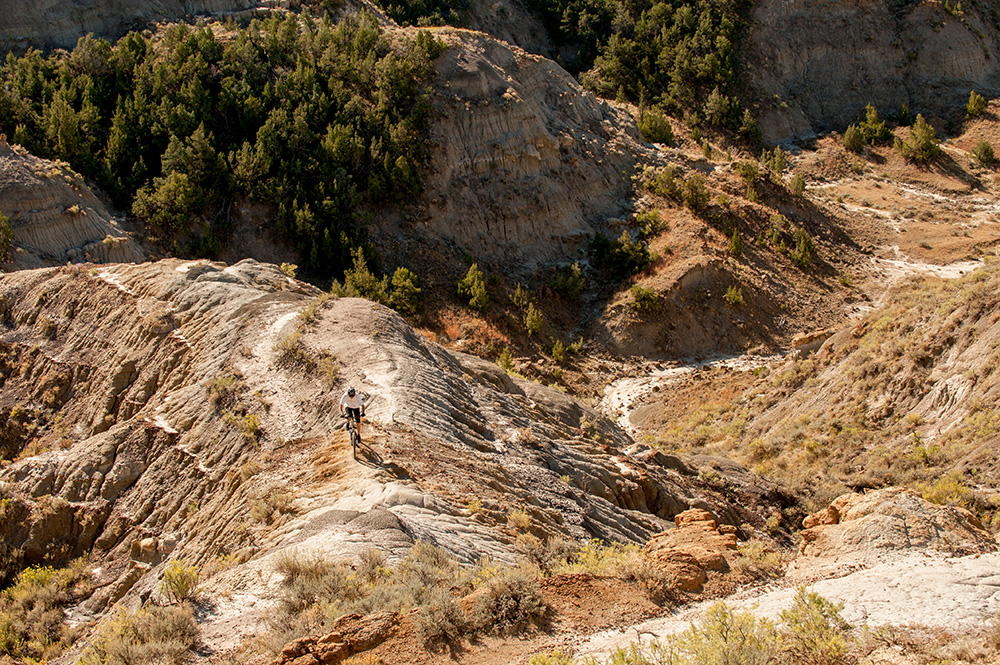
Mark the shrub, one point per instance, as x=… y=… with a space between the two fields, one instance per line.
x=440 y=618
x=650 y=222
x=853 y=139
x=905 y=118
x=993 y=632
x=551 y=658
x=162 y=635
x=473 y=287
x=725 y=636
x=696 y=195
x=533 y=319
x=983 y=152
x=519 y=520
x=805 y=248
x=511 y=602
x=873 y=129
x=733 y=296
x=775 y=160
x=6 y=236
x=663 y=182
x=797 y=186
x=736 y=244
x=405 y=292
x=506 y=360
x=558 y=352
x=655 y=127
x=814 y=630
x=179 y=581
x=623 y=257
x=570 y=283
x=976 y=105
x=360 y=282
x=748 y=171
x=644 y=299
x=923 y=145
x=290 y=269
x=31 y=610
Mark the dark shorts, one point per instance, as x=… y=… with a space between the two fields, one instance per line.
x=353 y=414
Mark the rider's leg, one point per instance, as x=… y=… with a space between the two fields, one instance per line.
x=358 y=425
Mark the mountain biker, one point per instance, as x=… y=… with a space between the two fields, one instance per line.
x=352 y=407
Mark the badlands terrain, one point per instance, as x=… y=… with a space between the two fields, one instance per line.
x=672 y=390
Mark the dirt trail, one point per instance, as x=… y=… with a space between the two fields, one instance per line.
x=920 y=589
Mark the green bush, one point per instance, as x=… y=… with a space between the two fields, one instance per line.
x=405 y=293
x=533 y=319
x=733 y=296
x=655 y=127
x=853 y=139
x=570 y=282
x=797 y=186
x=650 y=222
x=6 y=236
x=696 y=194
x=923 y=145
x=644 y=299
x=873 y=129
x=473 y=288
x=983 y=152
x=179 y=581
x=976 y=105
x=814 y=631
x=506 y=360
x=805 y=248
x=621 y=258
x=726 y=636
x=749 y=171
x=736 y=244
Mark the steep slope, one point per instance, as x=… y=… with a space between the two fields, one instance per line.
x=525 y=165
x=166 y=402
x=59 y=24
x=54 y=216
x=813 y=66
x=904 y=396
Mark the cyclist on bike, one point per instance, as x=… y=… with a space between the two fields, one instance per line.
x=352 y=407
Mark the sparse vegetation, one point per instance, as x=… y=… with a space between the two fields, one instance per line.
x=472 y=287
x=655 y=127
x=923 y=145
x=180 y=581
x=533 y=319
x=151 y=635
x=620 y=258
x=733 y=296
x=644 y=299
x=797 y=185
x=976 y=105
x=570 y=282
x=983 y=152
x=31 y=611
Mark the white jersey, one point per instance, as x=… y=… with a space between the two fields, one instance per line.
x=356 y=402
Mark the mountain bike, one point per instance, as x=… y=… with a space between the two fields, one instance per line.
x=352 y=427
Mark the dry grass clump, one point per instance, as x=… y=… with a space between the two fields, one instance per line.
x=759 y=561
x=317 y=591
x=162 y=635
x=31 y=611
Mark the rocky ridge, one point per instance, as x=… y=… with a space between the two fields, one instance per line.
x=176 y=398
x=55 y=217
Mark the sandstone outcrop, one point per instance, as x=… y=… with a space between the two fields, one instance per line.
x=892 y=519
x=814 y=65
x=352 y=633
x=695 y=546
x=525 y=165
x=54 y=216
